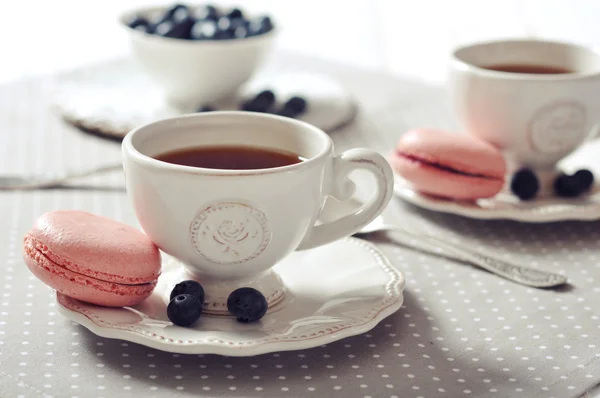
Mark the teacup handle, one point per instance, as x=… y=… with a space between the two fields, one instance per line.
x=343 y=189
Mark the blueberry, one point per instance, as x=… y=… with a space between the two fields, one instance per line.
x=137 y=22
x=525 y=184
x=206 y=12
x=297 y=105
x=235 y=13
x=567 y=186
x=225 y=34
x=247 y=304
x=286 y=112
x=262 y=102
x=266 y=95
x=181 y=14
x=586 y=179
x=184 y=310
x=205 y=108
x=239 y=28
x=188 y=287
x=223 y=23
x=144 y=28
x=180 y=11
x=260 y=26
x=175 y=30
x=240 y=32
x=204 y=30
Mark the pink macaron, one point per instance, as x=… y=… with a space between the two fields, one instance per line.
x=92 y=258
x=455 y=166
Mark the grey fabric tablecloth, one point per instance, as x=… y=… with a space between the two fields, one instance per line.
x=461 y=331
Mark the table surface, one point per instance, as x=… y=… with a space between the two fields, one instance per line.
x=460 y=332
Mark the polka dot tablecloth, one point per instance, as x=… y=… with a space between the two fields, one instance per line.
x=461 y=331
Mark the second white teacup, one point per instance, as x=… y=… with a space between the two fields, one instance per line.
x=536 y=100
x=230 y=226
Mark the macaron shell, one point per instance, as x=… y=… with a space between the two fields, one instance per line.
x=82 y=287
x=437 y=182
x=462 y=152
x=97 y=246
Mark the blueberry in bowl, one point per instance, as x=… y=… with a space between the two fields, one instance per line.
x=198 y=53
x=176 y=21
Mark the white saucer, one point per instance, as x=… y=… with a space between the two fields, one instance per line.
x=508 y=207
x=114 y=97
x=335 y=291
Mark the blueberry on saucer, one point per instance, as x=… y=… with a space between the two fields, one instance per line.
x=184 y=310
x=525 y=184
x=571 y=186
x=188 y=287
x=247 y=304
x=585 y=178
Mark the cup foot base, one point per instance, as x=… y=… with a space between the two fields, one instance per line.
x=216 y=291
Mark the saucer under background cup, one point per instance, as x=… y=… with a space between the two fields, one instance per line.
x=112 y=98
x=509 y=207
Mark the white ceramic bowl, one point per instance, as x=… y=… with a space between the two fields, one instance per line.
x=194 y=73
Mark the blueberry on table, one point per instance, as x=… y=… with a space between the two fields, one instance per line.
x=266 y=95
x=567 y=186
x=247 y=304
x=235 y=13
x=184 y=309
x=188 y=287
x=205 y=108
x=296 y=104
x=262 y=102
x=585 y=178
x=525 y=184
x=206 y=12
x=175 y=30
x=286 y=113
x=204 y=30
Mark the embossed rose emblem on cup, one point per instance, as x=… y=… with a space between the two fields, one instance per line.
x=230 y=232
x=230 y=227
x=536 y=118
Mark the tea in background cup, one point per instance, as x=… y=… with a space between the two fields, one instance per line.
x=230 y=194
x=536 y=100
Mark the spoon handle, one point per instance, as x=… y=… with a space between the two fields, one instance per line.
x=523 y=275
x=41 y=182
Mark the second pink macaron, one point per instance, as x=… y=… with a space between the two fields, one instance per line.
x=455 y=166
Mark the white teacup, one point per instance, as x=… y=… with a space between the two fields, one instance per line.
x=229 y=227
x=537 y=119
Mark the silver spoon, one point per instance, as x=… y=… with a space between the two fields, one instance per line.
x=516 y=273
x=15 y=183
